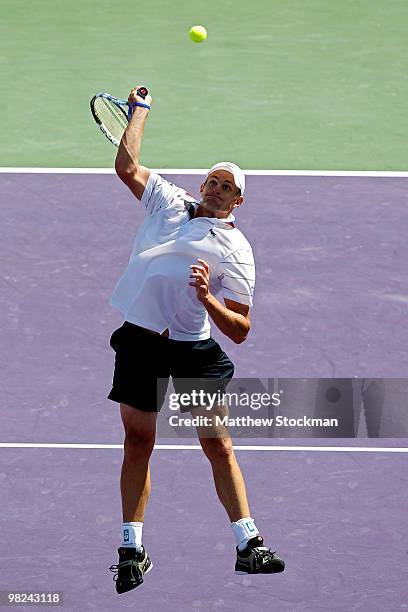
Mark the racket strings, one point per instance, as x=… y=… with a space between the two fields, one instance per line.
x=112 y=117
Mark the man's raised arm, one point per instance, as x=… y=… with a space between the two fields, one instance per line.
x=127 y=164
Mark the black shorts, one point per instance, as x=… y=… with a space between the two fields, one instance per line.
x=144 y=362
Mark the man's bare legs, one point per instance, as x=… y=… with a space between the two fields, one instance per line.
x=140 y=430
x=140 y=434
x=229 y=483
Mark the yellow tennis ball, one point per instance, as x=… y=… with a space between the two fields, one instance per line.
x=198 y=34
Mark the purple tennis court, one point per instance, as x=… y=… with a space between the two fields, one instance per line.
x=330 y=301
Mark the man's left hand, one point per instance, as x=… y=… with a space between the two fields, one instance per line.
x=201 y=274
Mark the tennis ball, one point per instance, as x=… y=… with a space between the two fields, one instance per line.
x=198 y=34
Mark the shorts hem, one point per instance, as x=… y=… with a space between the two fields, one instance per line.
x=119 y=399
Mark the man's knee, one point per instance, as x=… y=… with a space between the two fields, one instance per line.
x=217 y=449
x=138 y=444
x=140 y=433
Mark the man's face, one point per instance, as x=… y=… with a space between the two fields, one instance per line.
x=219 y=194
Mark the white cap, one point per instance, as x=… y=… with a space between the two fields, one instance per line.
x=237 y=173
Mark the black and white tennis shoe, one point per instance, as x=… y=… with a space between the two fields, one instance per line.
x=257 y=559
x=132 y=566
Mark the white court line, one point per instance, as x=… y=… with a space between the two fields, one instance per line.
x=202 y=171
x=336 y=449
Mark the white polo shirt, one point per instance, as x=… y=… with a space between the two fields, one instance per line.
x=154 y=291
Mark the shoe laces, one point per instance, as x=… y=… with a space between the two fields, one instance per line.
x=264 y=555
x=118 y=566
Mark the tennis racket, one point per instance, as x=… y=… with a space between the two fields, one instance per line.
x=112 y=115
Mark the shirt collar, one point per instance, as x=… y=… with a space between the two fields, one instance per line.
x=215 y=220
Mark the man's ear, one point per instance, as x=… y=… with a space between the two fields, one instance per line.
x=202 y=187
x=239 y=201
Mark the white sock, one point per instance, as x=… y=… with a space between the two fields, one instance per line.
x=132 y=535
x=244 y=530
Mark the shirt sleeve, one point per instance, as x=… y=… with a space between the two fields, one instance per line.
x=159 y=193
x=236 y=273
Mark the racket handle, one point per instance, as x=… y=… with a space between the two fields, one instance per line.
x=142 y=92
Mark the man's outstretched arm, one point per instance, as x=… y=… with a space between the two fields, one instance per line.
x=127 y=164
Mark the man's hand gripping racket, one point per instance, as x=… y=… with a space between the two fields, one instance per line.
x=112 y=115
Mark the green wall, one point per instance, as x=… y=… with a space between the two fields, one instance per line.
x=301 y=84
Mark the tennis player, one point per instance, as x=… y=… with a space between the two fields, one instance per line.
x=185 y=254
